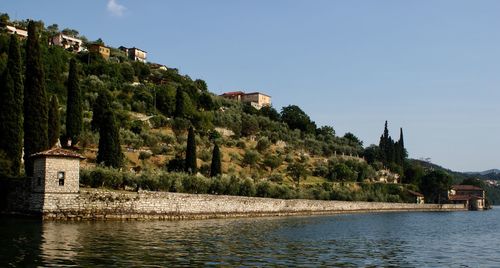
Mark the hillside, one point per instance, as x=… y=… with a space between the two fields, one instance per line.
x=145 y=110
x=492 y=189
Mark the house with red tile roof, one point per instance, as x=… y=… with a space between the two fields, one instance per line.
x=473 y=197
x=256 y=99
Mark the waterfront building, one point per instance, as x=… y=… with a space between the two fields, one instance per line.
x=56 y=171
x=472 y=197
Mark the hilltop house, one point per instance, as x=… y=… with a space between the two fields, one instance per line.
x=67 y=42
x=256 y=99
x=472 y=197
x=23 y=34
x=135 y=54
x=101 y=49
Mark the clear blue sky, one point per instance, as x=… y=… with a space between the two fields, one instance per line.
x=431 y=67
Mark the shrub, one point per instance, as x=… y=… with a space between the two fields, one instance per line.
x=158 y=121
x=263 y=144
x=241 y=144
x=265 y=189
x=250 y=158
x=247 y=188
x=144 y=155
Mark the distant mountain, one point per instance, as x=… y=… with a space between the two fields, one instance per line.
x=491 y=173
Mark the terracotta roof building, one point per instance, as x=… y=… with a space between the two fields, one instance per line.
x=256 y=99
x=473 y=197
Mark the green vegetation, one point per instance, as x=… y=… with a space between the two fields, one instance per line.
x=11 y=113
x=74 y=116
x=54 y=121
x=35 y=100
x=191 y=166
x=216 y=166
x=109 y=153
x=160 y=123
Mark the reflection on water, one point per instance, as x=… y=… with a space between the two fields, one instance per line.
x=468 y=239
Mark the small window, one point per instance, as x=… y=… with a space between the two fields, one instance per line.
x=61 y=176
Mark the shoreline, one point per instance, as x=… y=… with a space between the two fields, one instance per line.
x=100 y=204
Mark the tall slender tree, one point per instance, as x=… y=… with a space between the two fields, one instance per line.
x=11 y=113
x=191 y=152
x=74 y=116
x=35 y=100
x=54 y=121
x=109 y=151
x=216 y=166
x=101 y=105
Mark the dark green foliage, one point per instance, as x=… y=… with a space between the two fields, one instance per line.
x=141 y=70
x=372 y=153
x=435 y=185
x=272 y=161
x=102 y=104
x=216 y=166
x=474 y=182
x=180 y=109
x=353 y=140
x=205 y=102
x=176 y=165
x=250 y=158
x=295 y=118
x=166 y=100
x=191 y=152
x=35 y=101
x=392 y=154
x=11 y=113
x=249 y=125
x=74 y=113
x=297 y=170
x=54 y=121
x=327 y=133
x=413 y=173
x=201 y=85
x=263 y=144
x=270 y=112
x=109 y=153
x=55 y=63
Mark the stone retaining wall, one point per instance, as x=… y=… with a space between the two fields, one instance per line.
x=93 y=204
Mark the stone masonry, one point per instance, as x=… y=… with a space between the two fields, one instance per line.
x=92 y=204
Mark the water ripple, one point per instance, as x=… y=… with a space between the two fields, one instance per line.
x=459 y=239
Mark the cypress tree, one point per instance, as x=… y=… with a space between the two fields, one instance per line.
x=216 y=166
x=101 y=105
x=35 y=101
x=109 y=153
x=401 y=144
x=191 y=152
x=54 y=121
x=179 y=103
x=74 y=116
x=11 y=112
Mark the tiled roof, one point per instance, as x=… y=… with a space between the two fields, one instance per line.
x=466 y=188
x=415 y=193
x=463 y=197
x=233 y=93
x=255 y=93
x=58 y=152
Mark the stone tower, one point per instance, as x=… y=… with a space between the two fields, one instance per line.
x=56 y=171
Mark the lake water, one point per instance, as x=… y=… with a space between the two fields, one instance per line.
x=419 y=239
